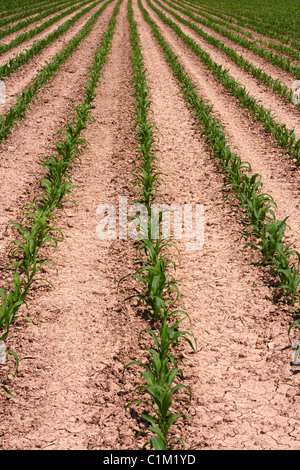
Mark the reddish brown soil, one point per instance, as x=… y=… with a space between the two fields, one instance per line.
x=22 y=77
x=72 y=400
x=14 y=12
x=255 y=35
x=71 y=393
x=16 y=21
x=233 y=320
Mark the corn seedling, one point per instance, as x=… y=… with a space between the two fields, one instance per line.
x=257 y=72
x=23 y=58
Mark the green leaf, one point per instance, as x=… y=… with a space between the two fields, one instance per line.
x=151 y=419
x=178 y=387
x=7 y=391
x=158 y=443
x=174 y=418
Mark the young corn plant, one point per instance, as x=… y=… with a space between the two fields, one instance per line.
x=252 y=23
x=276 y=59
x=159 y=376
x=23 y=24
x=23 y=58
x=16 y=16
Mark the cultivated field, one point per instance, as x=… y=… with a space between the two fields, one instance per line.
x=112 y=342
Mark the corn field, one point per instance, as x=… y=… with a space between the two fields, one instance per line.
x=110 y=110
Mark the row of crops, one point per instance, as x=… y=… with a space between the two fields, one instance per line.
x=18 y=110
x=285 y=137
x=162 y=376
x=45 y=13
x=249 y=41
x=159 y=291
